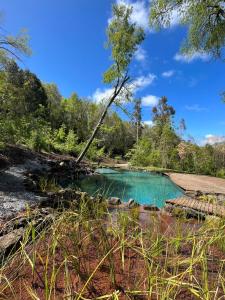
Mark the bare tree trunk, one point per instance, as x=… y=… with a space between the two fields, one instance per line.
x=99 y=124
x=137 y=132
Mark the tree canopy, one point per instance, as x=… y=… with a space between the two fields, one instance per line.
x=124 y=38
x=13 y=47
x=205 y=20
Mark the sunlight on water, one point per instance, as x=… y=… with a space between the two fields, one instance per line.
x=144 y=187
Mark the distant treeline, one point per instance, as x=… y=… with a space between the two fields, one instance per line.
x=36 y=115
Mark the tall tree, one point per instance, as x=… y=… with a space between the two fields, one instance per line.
x=54 y=99
x=21 y=92
x=123 y=40
x=162 y=112
x=204 y=18
x=137 y=117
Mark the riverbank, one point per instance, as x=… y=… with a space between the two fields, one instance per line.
x=26 y=175
x=72 y=246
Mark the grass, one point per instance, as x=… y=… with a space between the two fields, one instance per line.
x=91 y=253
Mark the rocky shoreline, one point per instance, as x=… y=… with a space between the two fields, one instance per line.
x=25 y=201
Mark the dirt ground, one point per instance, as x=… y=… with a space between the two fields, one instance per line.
x=205 y=184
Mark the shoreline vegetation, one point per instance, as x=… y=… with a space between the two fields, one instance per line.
x=88 y=249
x=34 y=237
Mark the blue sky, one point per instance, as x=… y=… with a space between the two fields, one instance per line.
x=67 y=40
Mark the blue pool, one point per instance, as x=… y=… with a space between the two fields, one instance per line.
x=144 y=187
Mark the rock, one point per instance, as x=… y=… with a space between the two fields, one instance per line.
x=64 y=198
x=132 y=203
x=221 y=199
x=191 y=194
x=168 y=208
x=151 y=207
x=4 y=162
x=9 y=241
x=62 y=164
x=114 y=201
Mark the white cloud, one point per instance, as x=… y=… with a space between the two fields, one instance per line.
x=101 y=95
x=195 y=107
x=168 y=74
x=150 y=100
x=149 y=123
x=140 y=54
x=190 y=58
x=142 y=82
x=140 y=13
x=213 y=139
x=175 y=17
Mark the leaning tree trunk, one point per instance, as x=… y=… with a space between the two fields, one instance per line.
x=99 y=124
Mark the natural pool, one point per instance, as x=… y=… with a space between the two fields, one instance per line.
x=144 y=187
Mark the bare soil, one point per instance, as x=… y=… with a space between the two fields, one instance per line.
x=86 y=256
x=205 y=184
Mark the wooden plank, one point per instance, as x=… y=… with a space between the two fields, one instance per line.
x=204 y=207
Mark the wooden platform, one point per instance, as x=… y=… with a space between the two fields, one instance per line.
x=211 y=209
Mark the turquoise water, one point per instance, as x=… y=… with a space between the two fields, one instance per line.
x=144 y=187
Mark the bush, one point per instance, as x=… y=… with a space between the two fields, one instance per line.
x=221 y=173
x=94 y=152
x=142 y=154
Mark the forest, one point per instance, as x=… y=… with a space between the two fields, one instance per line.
x=36 y=115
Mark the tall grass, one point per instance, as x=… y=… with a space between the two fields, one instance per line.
x=89 y=253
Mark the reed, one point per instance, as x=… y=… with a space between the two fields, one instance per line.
x=91 y=253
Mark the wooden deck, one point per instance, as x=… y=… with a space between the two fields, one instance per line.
x=211 y=209
x=205 y=184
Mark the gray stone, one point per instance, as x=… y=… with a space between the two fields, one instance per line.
x=114 y=201
x=132 y=203
x=191 y=194
x=151 y=207
x=10 y=240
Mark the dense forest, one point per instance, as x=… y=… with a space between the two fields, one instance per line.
x=36 y=115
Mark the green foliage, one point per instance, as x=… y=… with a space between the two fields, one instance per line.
x=143 y=155
x=123 y=40
x=13 y=47
x=160 y=146
x=221 y=173
x=15 y=84
x=95 y=152
x=205 y=20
